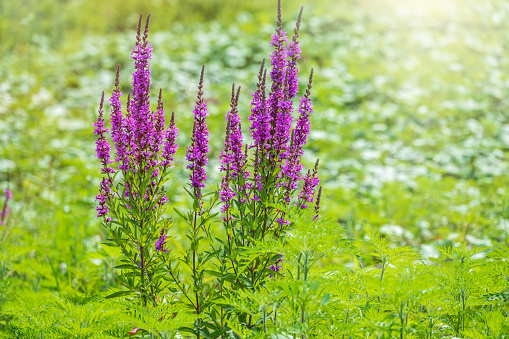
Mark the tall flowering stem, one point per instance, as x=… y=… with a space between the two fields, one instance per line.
x=197 y=152
x=259 y=118
x=170 y=143
x=132 y=198
x=233 y=158
x=196 y=294
x=103 y=154
x=102 y=145
x=303 y=123
x=258 y=191
x=260 y=130
x=291 y=170
x=278 y=104
x=293 y=54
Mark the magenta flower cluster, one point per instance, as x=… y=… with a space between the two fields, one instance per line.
x=144 y=147
x=276 y=267
x=197 y=152
x=161 y=242
x=292 y=167
x=278 y=146
x=142 y=142
x=233 y=158
x=307 y=193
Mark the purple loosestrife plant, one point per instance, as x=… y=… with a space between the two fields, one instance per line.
x=258 y=191
x=132 y=198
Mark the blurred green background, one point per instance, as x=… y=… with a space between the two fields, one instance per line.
x=410 y=120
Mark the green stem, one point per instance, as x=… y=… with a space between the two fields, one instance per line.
x=265 y=319
x=142 y=277
x=195 y=278
x=177 y=283
x=54 y=272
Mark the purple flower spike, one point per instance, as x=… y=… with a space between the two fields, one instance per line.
x=197 y=152
x=259 y=118
x=170 y=143
x=292 y=166
x=102 y=145
x=278 y=57
x=157 y=134
x=305 y=109
x=117 y=126
x=103 y=196
x=161 y=242
x=233 y=154
x=311 y=180
x=279 y=106
x=141 y=120
x=260 y=125
x=144 y=147
x=232 y=158
x=103 y=153
x=293 y=53
x=291 y=170
x=226 y=194
x=317 y=205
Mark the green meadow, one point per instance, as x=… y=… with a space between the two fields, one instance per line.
x=410 y=123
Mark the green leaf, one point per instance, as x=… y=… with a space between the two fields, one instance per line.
x=119 y=294
x=180 y=213
x=325 y=299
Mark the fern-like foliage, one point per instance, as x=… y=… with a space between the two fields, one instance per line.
x=320 y=292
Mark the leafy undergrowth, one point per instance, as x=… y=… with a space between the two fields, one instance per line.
x=385 y=291
x=410 y=126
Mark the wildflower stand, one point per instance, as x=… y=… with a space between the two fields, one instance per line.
x=256 y=191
